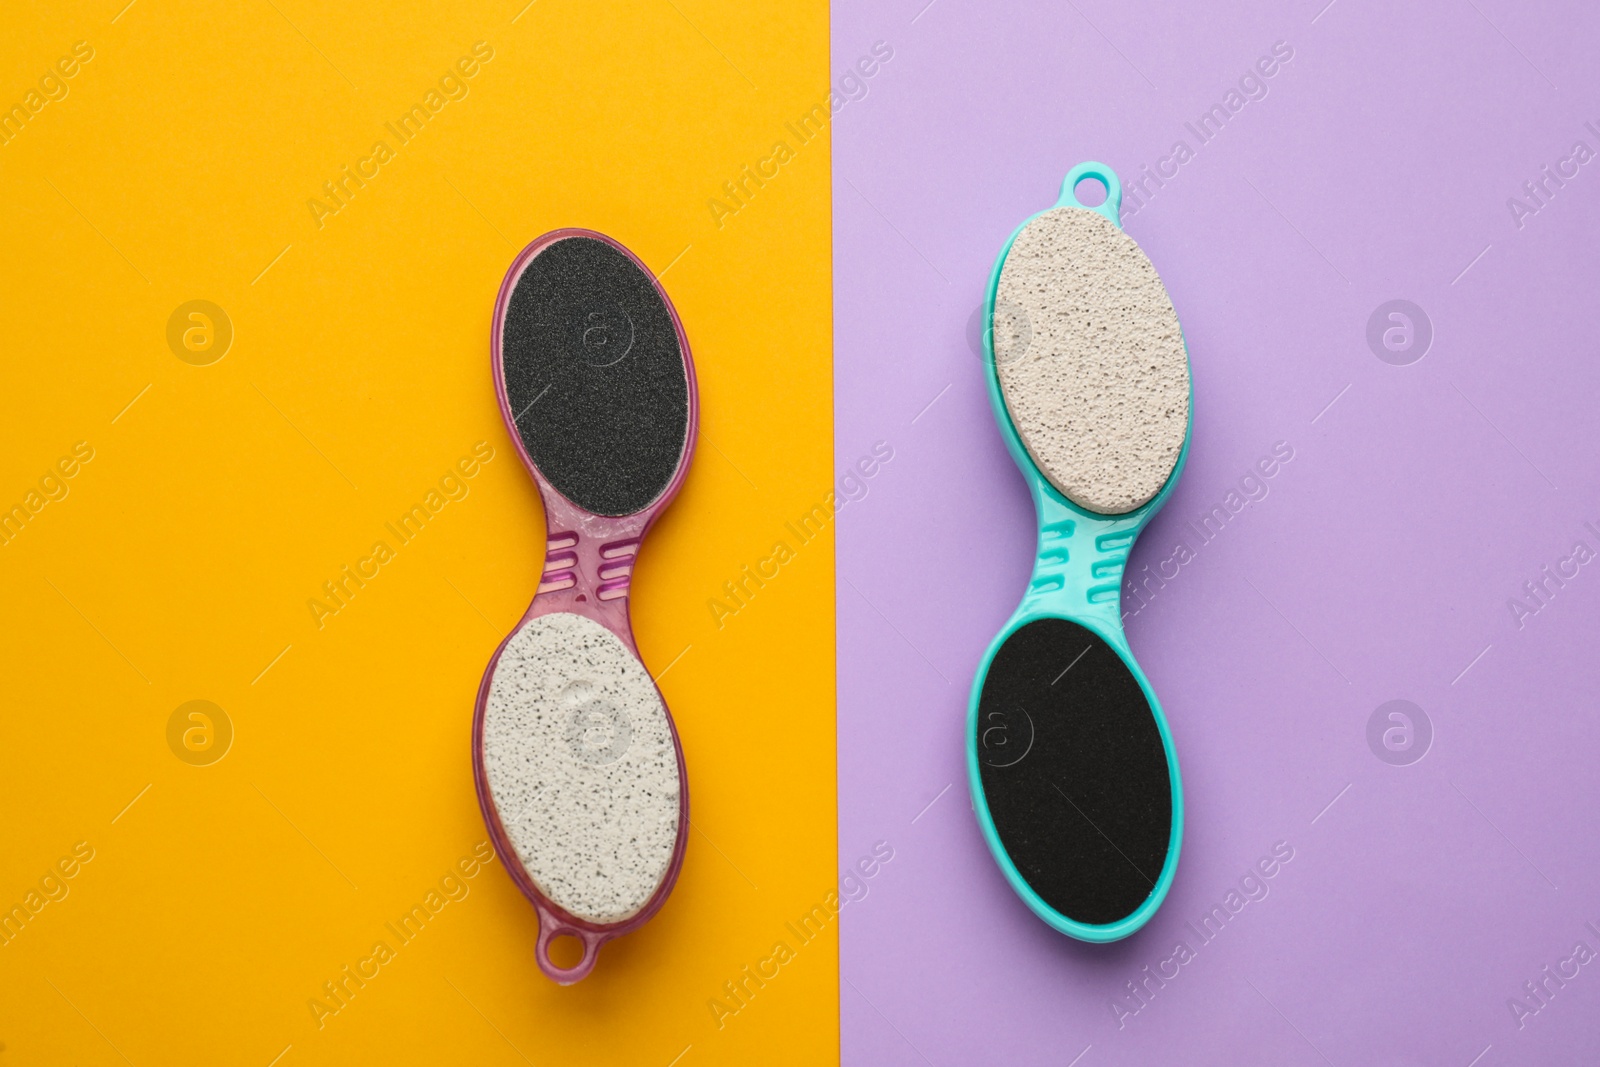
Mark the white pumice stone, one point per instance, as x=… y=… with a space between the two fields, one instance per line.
x=581 y=765
x=1091 y=360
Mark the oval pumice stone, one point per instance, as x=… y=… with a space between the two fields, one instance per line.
x=1091 y=360
x=1074 y=771
x=595 y=376
x=581 y=766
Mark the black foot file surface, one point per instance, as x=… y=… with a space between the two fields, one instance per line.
x=580 y=772
x=1074 y=771
x=1074 y=777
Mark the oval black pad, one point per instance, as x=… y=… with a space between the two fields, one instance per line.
x=595 y=377
x=1074 y=771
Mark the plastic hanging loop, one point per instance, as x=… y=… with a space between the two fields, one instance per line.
x=551 y=928
x=1111 y=208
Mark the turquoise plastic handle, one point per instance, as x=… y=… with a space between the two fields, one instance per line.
x=1077 y=575
x=1111 y=208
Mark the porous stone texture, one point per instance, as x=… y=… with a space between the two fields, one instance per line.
x=1091 y=360
x=581 y=765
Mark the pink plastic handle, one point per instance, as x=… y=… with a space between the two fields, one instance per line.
x=552 y=927
x=588 y=568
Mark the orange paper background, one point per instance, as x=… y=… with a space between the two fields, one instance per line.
x=179 y=564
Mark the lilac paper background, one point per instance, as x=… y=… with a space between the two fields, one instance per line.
x=1378 y=567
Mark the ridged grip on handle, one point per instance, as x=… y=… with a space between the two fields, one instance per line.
x=596 y=384
x=1072 y=769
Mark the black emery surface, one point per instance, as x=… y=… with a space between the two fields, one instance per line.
x=1074 y=771
x=595 y=377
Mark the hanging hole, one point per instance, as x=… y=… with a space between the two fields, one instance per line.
x=582 y=598
x=1090 y=191
x=565 y=951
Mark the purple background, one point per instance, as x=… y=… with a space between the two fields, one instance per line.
x=1379 y=566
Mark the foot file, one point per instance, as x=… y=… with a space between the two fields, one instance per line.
x=1071 y=767
x=578 y=767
